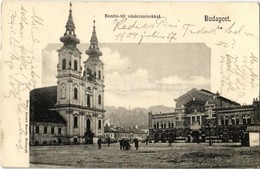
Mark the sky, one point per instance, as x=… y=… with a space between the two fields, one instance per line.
x=143 y=75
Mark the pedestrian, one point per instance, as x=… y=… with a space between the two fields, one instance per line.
x=170 y=142
x=124 y=144
x=108 y=141
x=136 y=141
x=99 y=143
x=146 y=140
x=127 y=145
x=121 y=143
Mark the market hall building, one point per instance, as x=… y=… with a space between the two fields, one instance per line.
x=200 y=115
x=73 y=111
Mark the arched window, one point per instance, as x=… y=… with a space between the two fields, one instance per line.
x=63 y=92
x=88 y=100
x=63 y=64
x=99 y=99
x=75 y=93
x=99 y=124
x=75 y=122
x=99 y=74
x=88 y=124
x=75 y=140
x=75 y=65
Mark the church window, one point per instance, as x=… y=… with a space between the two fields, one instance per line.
x=169 y=124
x=75 y=93
x=59 y=130
x=157 y=124
x=99 y=99
x=75 y=122
x=99 y=124
x=172 y=125
x=154 y=126
x=88 y=100
x=88 y=124
x=45 y=130
x=63 y=92
x=75 y=140
x=75 y=65
x=99 y=74
x=63 y=64
x=161 y=125
x=37 y=129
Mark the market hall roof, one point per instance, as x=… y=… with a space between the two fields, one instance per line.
x=191 y=95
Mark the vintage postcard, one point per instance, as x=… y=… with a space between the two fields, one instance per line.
x=130 y=84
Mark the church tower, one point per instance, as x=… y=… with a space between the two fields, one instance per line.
x=93 y=71
x=69 y=83
x=94 y=78
x=69 y=66
x=80 y=96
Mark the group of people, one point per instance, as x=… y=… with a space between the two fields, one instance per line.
x=99 y=142
x=124 y=143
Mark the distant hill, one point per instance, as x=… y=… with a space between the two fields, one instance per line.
x=132 y=117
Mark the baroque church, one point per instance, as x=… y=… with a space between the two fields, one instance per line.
x=73 y=111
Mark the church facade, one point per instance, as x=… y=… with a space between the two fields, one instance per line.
x=201 y=114
x=73 y=111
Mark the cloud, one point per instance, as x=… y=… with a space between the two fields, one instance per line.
x=50 y=60
x=193 y=80
x=128 y=87
x=113 y=60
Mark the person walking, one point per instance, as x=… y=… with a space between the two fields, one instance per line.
x=146 y=140
x=108 y=141
x=99 y=143
x=121 y=143
x=136 y=141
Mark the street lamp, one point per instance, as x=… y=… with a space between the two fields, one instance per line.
x=208 y=126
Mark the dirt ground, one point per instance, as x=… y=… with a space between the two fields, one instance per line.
x=159 y=155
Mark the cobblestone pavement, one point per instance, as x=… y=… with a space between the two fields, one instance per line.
x=159 y=155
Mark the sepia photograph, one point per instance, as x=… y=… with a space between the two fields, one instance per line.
x=111 y=85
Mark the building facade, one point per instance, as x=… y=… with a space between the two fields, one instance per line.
x=200 y=114
x=78 y=98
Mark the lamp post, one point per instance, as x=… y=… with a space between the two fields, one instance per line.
x=208 y=126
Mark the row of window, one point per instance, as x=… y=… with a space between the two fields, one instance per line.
x=75 y=123
x=163 y=125
x=45 y=130
x=76 y=68
x=64 y=64
x=235 y=120
x=75 y=96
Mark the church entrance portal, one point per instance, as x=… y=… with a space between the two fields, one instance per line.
x=89 y=134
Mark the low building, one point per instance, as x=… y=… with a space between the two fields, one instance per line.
x=118 y=133
x=201 y=114
x=253 y=133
